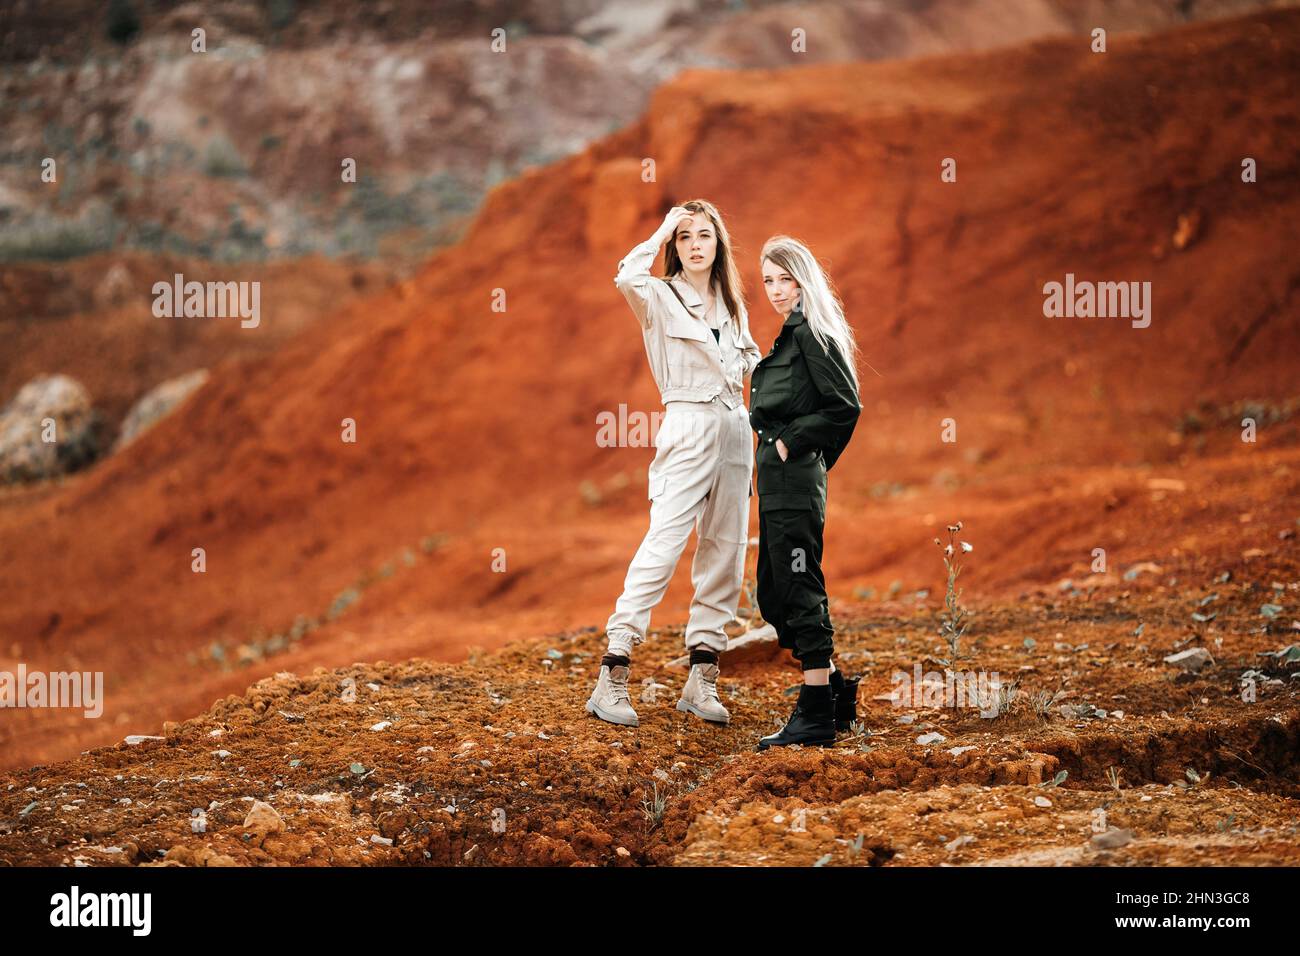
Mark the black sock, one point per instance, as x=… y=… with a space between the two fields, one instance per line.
x=702 y=655
x=615 y=660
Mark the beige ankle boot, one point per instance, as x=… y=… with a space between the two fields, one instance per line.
x=610 y=700
x=700 y=695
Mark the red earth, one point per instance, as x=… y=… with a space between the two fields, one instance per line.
x=476 y=429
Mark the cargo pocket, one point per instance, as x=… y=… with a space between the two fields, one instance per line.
x=657 y=485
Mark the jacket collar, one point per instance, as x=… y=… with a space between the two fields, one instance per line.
x=796 y=317
x=696 y=305
x=689 y=295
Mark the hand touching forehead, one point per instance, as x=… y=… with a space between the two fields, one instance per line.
x=697 y=223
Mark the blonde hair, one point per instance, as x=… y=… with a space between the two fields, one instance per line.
x=817 y=298
x=724 y=272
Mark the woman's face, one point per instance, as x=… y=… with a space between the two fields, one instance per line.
x=782 y=290
x=697 y=244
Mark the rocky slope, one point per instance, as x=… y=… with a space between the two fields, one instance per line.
x=1107 y=756
x=477 y=428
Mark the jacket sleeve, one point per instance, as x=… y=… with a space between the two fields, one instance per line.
x=830 y=426
x=748 y=348
x=634 y=279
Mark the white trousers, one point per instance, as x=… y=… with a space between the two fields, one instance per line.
x=700 y=478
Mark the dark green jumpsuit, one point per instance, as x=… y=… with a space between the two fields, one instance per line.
x=808 y=399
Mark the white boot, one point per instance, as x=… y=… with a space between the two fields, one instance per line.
x=610 y=700
x=700 y=695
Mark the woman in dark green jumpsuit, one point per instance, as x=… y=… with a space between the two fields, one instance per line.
x=804 y=406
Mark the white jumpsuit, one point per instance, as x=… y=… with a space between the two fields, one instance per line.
x=701 y=474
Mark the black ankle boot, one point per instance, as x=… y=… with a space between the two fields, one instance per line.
x=846 y=702
x=845 y=693
x=811 y=724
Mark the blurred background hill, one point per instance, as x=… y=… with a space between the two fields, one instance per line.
x=522 y=171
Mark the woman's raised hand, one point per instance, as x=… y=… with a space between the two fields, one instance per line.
x=675 y=217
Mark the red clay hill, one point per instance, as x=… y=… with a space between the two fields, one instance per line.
x=476 y=429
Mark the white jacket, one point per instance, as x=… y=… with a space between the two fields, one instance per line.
x=687 y=364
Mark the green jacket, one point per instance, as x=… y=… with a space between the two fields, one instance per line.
x=802 y=395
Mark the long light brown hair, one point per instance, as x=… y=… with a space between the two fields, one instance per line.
x=724 y=273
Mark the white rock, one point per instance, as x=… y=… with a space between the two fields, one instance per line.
x=1112 y=839
x=1192 y=659
x=263 y=820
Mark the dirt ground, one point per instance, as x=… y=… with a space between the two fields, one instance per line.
x=467 y=742
x=494 y=761
x=476 y=430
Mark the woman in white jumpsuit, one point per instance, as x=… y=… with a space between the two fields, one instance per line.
x=696 y=334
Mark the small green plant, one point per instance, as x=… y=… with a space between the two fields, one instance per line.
x=654 y=807
x=1057 y=780
x=1045 y=700
x=1112 y=776
x=860 y=736
x=999 y=699
x=953 y=625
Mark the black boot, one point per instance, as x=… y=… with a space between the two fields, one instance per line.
x=812 y=723
x=845 y=691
